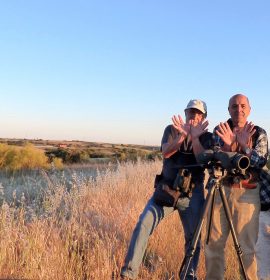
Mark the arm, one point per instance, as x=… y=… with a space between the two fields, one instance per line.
x=196 y=131
x=169 y=148
x=224 y=136
x=171 y=143
x=197 y=147
x=259 y=154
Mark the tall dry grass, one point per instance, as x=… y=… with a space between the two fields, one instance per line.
x=57 y=227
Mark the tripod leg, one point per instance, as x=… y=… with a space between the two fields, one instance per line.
x=192 y=247
x=229 y=218
x=210 y=218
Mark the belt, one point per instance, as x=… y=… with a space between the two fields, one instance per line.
x=244 y=185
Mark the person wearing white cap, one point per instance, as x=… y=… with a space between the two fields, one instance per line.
x=180 y=144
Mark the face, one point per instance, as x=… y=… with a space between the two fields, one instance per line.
x=239 y=109
x=194 y=114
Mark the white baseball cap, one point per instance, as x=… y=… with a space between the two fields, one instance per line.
x=197 y=104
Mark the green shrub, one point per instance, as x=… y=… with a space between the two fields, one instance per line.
x=14 y=158
x=57 y=163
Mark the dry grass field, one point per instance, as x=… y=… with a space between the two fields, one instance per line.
x=76 y=226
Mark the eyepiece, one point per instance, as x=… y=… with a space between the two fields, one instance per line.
x=240 y=162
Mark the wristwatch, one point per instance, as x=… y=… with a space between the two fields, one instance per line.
x=247 y=151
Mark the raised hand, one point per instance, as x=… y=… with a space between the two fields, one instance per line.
x=182 y=127
x=226 y=134
x=244 y=135
x=198 y=128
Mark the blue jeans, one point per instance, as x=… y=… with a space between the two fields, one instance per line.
x=148 y=221
x=190 y=218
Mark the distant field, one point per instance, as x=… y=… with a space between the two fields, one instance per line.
x=47 y=144
x=84 y=152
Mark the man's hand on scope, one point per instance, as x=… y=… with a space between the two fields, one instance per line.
x=182 y=127
x=198 y=128
x=244 y=135
x=226 y=134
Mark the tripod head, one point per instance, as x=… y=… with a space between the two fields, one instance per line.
x=218 y=163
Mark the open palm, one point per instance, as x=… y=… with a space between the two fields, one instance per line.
x=182 y=127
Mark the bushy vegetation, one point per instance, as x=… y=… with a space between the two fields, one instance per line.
x=27 y=157
x=70 y=156
x=13 y=158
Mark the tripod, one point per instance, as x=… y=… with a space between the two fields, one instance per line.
x=216 y=174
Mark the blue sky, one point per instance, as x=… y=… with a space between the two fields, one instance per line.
x=116 y=71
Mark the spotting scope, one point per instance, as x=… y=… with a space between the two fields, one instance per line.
x=232 y=161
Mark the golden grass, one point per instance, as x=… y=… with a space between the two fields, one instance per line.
x=83 y=233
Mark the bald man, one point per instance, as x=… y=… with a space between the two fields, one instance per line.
x=241 y=136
